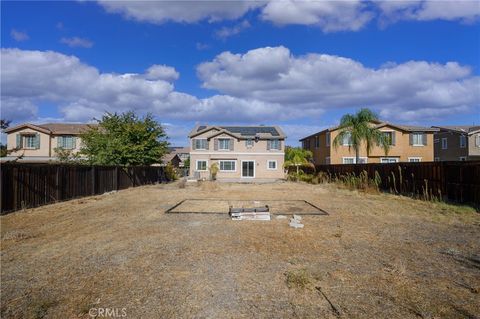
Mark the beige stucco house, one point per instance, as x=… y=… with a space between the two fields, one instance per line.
x=457 y=143
x=37 y=142
x=242 y=153
x=408 y=144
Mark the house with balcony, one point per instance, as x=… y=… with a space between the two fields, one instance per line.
x=242 y=153
x=407 y=144
x=37 y=143
x=457 y=143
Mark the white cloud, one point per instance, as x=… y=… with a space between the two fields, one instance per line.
x=19 y=36
x=328 y=15
x=313 y=82
x=226 y=32
x=75 y=42
x=161 y=72
x=180 y=11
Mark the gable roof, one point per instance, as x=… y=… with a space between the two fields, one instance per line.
x=53 y=128
x=469 y=129
x=379 y=124
x=241 y=132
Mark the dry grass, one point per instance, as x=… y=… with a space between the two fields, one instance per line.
x=373 y=256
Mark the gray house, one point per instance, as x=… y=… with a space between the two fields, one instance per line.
x=457 y=143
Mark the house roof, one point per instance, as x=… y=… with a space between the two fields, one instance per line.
x=260 y=131
x=53 y=128
x=469 y=129
x=179 y=149
x=379 y=124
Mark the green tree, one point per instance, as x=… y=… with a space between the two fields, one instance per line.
x=359 y=129
x=297 y=157
x=124 y=139
x=4 y=124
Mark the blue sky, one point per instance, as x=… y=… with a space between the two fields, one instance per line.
x=299 y=64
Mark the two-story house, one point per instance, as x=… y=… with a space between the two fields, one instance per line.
x=242 y=153
x=407 y=144
x=457 y=143
x=38 y=142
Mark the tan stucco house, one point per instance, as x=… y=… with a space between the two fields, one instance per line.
x=37 y=142
x=242 y=153
x=408 y=144
x=457 y=143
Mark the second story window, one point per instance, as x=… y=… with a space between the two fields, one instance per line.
x=463 y=141
x=390 y=137
x=249 y=143
x=66 y=142
x=418 y=139
x=327 y=139
x=273 y=145
x=444 y=143
x=477 y=140
x=347 y=139
x=224 y=144
x=28 y=141
x=200 y=143
x=317 y=141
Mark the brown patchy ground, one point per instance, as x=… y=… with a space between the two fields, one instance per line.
x=373 y=256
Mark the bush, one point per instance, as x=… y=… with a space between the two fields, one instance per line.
x=170 y=172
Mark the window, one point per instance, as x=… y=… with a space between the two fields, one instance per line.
x=347 y=139
x=66 y=142
x=414 y=159
x=327 y=160
x=444 y=143
x=389 y=136
x=224 y=144
x=462 y=158
x=227 y=166
x=327 y=139
x=201 y=143
x=317 y=141
x=30 y=141
x=417 y=139
x=249 y=143
x=352 y=160
x=463 y=141
x=477 y=140
x=272 y=165
x=201 y=165
x=385 y=160
x=274 y=144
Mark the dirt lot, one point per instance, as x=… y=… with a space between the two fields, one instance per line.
x=372 y=256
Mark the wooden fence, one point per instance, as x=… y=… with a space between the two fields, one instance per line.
x=32 y=185
x=452 y=181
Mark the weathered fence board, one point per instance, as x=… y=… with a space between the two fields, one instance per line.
x=453 y=181
x=33 y=185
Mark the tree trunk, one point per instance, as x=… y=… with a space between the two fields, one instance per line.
x=357 y=155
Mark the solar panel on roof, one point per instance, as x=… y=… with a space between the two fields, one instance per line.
x=252 y=130
x=202 y=127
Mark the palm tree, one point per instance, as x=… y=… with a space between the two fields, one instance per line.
x=359 y=129
x=296 y=156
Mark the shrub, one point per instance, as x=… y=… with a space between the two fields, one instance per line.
x=170 y=172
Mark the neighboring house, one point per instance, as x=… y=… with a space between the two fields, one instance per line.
x=457 y=143
x=177 y=156
x=242 y=153
x=37 y=142
x=407 y=144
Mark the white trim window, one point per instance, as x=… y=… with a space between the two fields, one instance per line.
x=477 y=140
x=417 y=139
x=274 y=144
x=327 y=139
x=224 y=144
x=200 y=143
x=249 y=143
x=415 y=159
x=66 y=142
x=201 y=165
x=463 y=141
x=228 y=166
x=386 y=160
x=462 y=158
x=272 y=165
x=347 y=139
x=444 y=143
x=30 y=141
x=352 y=160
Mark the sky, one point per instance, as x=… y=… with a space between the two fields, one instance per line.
x=297 y=64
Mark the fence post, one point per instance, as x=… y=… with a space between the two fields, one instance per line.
x=57 y=184
x=93 y=180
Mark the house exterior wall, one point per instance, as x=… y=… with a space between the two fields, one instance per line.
x=454 y=152
x=257 y=153
x=401 y=150
x=48 y=143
